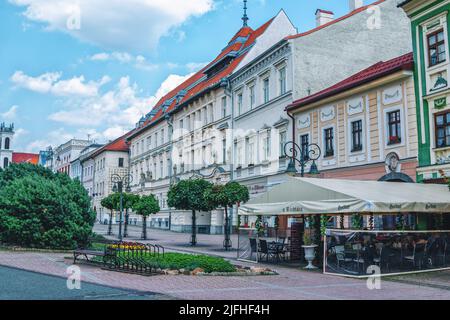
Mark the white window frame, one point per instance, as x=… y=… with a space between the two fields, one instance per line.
x=350 y=120
x=386 y=127
x=323 y=136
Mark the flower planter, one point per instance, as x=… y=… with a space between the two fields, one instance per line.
x=310 y=255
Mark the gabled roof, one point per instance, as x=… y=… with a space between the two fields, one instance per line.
x=376 y=71
x=354 y=12
x=119 y=145
x=18 y=157
x=200 y=83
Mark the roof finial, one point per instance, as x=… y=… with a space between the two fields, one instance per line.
x=245 y=17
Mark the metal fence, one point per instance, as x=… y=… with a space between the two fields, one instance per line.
x=133 y=257
x=361 y=253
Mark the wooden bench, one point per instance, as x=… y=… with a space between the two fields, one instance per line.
x=86 y=253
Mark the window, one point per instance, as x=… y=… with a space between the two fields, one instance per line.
x=149 y=143
x=162 y=136
x=7 y=144
x=224 y=107
x=120 y=162
x=224 y=151
x=356 y=135
x=5 y=163
x=436 y=47
x=267 y=147
x=156 y=139
x=443 y=130
x=181 y=124
x=394 y=127
x=329 y=144
x=250 y=153
x=240 y=104
x=283 y=139
x=304 y=144
x=161 y=168
x=211 y=113
x=266 y=95
x=252 y=96
x=205 y=116
x=282 y=74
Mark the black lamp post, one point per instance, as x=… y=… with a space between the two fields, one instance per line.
x=118 y=184
x=296 y=154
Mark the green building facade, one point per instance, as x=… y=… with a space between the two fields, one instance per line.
x=430 y=35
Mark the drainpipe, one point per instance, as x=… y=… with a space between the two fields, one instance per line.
x=229 y=94
x=293 y=124
x=169 y=120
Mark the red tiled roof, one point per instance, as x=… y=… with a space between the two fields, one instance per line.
x=192 y=89
x=356 y=11
x=25 y=158
x=120 y=145
x=376 y=71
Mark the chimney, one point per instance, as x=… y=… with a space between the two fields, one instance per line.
x=355 y=4
x=323 y=17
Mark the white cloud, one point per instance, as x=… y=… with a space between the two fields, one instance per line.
x=139 y=61
x=10 y=114
x=42 y=83
x=114 y=24
x=51 y=83
x=119 y=109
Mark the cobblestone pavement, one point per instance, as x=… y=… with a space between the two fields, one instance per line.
x=290 y=284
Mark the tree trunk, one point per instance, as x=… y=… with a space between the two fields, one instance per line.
x=110 y=223
x=125 y=227
x=227 y=242
x=194 y=229
x=144 y=228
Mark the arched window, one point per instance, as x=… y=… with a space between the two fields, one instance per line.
x=5 y=163
x=7 y=144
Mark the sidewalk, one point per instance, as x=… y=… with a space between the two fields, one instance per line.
x=290 y=284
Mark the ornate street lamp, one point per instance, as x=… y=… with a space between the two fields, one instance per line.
x=118 y=186
x=296 y=154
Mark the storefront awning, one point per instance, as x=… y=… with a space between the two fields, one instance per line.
x=300 y=196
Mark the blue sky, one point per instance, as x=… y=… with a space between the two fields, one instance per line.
x=69 y=68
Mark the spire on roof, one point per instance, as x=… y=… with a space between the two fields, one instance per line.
x=245 y=17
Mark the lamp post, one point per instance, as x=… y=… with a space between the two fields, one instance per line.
x=118 y=184
x=296 y=154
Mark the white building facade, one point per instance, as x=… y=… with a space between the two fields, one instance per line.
x=64 y=154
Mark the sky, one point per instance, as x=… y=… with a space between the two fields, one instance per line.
x=92 y=68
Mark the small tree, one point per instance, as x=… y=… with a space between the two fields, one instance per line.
x=145 y=206
x=129 y=200
x=190 y=195
x=111 y=203
x=226 y=196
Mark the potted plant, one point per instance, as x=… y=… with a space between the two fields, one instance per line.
x=310 y=249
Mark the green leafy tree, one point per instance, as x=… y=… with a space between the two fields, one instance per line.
x=129 y=200
x=146 y=206
x=227 y=196
x=41 y=209
x=190 y=195
x=111 y=202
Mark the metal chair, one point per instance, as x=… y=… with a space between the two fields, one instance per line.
x=264 y=250
x=417 y=256
x=442 y=254
x=253 y=247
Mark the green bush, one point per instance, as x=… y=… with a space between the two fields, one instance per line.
x=177 y=261
x=40 y=209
